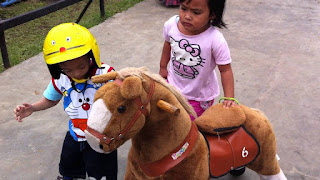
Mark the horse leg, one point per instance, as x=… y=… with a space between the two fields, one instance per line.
x=266 y=164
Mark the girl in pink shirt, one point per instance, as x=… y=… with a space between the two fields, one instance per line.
x=192 y=49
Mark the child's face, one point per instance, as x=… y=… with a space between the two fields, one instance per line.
x=76 y=68
x=194 y=17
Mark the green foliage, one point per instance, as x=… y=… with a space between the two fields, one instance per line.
x=26 y=40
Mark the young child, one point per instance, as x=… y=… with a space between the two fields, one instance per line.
x=194 y=47
x=72 y=55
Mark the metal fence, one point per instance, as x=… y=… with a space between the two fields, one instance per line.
x=23 y=18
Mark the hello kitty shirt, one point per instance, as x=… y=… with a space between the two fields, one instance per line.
x=193 y=60
x=77 y=100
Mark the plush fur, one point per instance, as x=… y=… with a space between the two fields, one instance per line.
x=157 y=134
x=219 y=118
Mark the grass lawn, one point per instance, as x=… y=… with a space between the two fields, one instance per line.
x=26 y=40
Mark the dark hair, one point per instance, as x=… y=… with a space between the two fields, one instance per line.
x=216 y=8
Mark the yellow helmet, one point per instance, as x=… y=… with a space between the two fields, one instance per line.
x=68 y=41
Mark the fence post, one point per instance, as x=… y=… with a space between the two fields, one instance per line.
x=4 y=51
x=102 y=12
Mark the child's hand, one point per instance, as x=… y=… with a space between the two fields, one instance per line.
x=23 y=111
x=229 y=103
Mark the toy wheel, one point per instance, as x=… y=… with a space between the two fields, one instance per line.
x=238 y=171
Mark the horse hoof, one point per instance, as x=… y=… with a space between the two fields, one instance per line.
x=238 y=171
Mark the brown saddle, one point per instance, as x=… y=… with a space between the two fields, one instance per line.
x=231 y=150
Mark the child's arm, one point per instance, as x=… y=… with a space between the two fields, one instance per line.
x=227 y=84
x=165 y=58
x=25 y=110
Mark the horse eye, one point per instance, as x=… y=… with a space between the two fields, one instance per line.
x=121 y=109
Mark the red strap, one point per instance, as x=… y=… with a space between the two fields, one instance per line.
x=142 y=109
x=157 y=168
x=55 y=87
x=103 y=138
x=129 y=125
x=110 y=69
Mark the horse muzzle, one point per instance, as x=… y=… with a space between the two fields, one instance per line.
x=97 y=122
x=95 y=144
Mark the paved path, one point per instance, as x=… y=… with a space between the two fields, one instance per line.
x=275 y=50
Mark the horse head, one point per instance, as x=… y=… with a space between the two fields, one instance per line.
x=122 y=105
x=119 y=111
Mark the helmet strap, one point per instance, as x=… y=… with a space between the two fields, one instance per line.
x=79 y=91
x=79 y=80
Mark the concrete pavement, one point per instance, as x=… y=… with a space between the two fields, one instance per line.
x=275 y=50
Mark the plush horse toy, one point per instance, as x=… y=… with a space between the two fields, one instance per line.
x=138 y=105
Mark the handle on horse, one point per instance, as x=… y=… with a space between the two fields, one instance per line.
x=227 y=98
x=168 y=107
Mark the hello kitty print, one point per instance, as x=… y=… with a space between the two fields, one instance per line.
x=185 y=58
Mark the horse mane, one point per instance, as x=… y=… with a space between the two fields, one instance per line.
x=138 y=72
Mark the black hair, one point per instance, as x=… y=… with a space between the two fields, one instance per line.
x=216 y=8
x=55 y=70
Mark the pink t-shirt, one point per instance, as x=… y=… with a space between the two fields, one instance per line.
x=193 y=60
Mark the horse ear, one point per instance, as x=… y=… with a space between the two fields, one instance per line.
x=131 y=87
x=104 y=77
